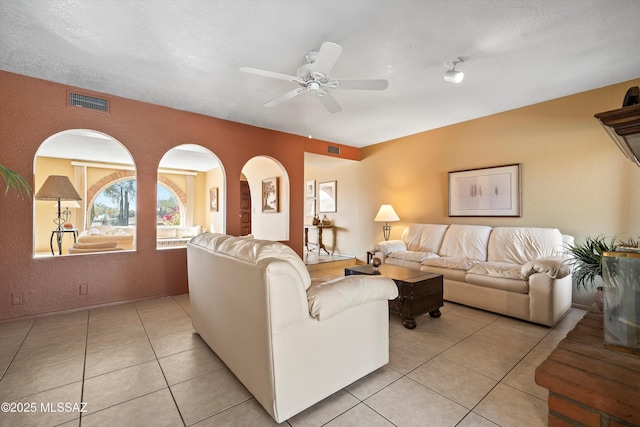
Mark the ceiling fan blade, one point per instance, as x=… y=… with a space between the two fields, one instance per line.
x=327 y=57
x=362 y=84
x=284 y=97
x=329 y=102
x=269 y=74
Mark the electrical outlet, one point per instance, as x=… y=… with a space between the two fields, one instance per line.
x=84 y=288
x=16 y=298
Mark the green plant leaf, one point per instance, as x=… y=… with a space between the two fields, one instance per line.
x=16 y=182
x=586 y=259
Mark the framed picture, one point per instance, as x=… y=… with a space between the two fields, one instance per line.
x=327 y=197
x=310 y=207
x=494 y=191
x=270 y=195
x=310 y=189
x=213 y=199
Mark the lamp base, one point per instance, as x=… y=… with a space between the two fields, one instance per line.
x=386 y=231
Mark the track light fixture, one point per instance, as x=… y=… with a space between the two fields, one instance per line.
x=453 y=76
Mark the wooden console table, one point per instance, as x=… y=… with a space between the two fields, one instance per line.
x=320 y=244
x=588 y=384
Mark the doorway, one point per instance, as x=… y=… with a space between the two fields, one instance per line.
x=245 y=208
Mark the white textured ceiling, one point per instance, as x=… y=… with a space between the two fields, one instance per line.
x=186 y=55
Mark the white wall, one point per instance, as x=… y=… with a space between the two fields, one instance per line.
x=269 y=226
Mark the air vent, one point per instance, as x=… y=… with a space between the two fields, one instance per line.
x=90 y=102
x=333 y=150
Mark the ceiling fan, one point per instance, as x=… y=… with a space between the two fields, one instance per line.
x=313 y=77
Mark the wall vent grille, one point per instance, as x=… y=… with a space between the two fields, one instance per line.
x=333 y=150
x=90 y=102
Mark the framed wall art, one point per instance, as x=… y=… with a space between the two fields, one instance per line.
x=270 y=195
x=213 y=199
x=327 y=197
x=310 y=189
x=493 y=191
x=310 y=207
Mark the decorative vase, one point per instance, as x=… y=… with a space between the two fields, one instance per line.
x=375 y=263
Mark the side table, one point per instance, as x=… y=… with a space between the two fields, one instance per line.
x=59 y=234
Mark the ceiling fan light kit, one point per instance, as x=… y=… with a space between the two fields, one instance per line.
x=452 y=75
x=314 y=78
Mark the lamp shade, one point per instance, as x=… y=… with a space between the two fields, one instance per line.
x=387 y=214
x=57 y=187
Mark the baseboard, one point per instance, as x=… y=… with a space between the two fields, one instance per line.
x=84 y=308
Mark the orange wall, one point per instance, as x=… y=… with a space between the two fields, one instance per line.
x=32 y=110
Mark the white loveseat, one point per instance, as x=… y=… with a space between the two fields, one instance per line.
x=291 y=344
x=516 y=271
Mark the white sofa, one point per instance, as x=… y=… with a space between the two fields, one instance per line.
x=291 y=344
x=97 y=235
x=516 y=271
x=173 y=235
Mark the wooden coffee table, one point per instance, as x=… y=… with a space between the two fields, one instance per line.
x=419 y=292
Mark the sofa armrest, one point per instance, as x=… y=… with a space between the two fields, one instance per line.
x=554 y=267
x=389 y=246
x=335 y=296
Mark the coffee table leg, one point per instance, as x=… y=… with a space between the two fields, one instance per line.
x=409 y=322
x=435 y=313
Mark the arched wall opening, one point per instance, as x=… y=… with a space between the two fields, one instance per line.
x=87 y=157
x=196 y=175
x=270 y=198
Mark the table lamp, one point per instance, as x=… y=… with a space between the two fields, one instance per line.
x=58 y=188
x=386 y=214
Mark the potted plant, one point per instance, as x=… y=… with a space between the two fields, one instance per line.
x=586 y=262
x=15 y=181
x=586 y=259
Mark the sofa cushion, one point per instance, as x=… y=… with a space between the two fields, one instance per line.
x=188 y=231
x=449 y=274
x=252 y=250
x=97 y=245
x=455 y=263
x=519 y=245
x=412 y=255
x=424 y=237
x=466 y=241
x=403 y=263
x=166 y=232
x=511 y=285
x=498 y=269
x=335 y=296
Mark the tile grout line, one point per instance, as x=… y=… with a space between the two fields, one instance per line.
x=84 y=366
x=155 y=354
x=13 y=358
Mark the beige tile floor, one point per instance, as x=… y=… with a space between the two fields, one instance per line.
x=140 y=364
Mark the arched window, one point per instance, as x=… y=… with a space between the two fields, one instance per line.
x=170 y=209
x=114 y=205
